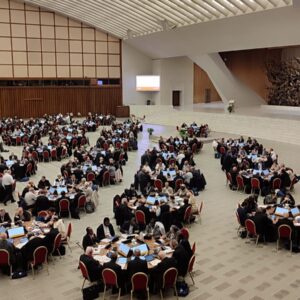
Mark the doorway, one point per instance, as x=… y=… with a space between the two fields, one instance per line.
x=176 y=98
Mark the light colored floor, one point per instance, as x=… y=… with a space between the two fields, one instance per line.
x=226 y=267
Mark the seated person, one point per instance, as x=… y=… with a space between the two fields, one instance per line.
x=173 y=232
x=89 y=239
x=6 y=245
x=137 y=264
x=5 y=219
x=59 y=181
x=182 y=240
x=167 y=189
x=22 y=215
x=44 y=183
x=30 y=198
x=42 y=202
x=130 y=227
x=60 y=226
x=93 y=266
x=50 y=213
x=181 y=211
x=182 y=191
x=288 y=199
x=49 y=238
x=181 y=257
x=105 y=230
x=112 y=264
x=28 y=249
x=158 y=271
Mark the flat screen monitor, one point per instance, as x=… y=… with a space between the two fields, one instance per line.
x=15 y=232
x=148 y=83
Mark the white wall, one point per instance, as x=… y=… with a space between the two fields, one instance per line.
x=134 y=63
x=175 y=74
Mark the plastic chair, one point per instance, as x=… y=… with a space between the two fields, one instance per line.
x=169 y=281
x=140 y=217
x=64 y=206
x=68 y=237
x=40 y=255
x=110 y=279
x=56 y=245
x=185 y=232
x=5 y=260
x=90 y=176
x=139 y=282
x=285 y=232
x=240 y=183
x=251 y=230
x=81 y=202
x=178 y=183
x=191 y=266
x=158 y=184
x=84 y=273
x=187 y=215
x=106 y=179
x=255 y=185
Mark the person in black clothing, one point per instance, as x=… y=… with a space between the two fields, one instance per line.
x=49 y=238
x=112 y=264
x=44 y=183
x=28 y=249
x=181 y=256
x=89 y=239
x=157 y=273
x=145 y=210
x=182 y=209
x=22 y=215
x=5 y=219
x=130 y=227
x=105 y=230
x=93 y=266
x=42 y=202
x=136 y=265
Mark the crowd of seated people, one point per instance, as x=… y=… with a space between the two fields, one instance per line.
x=194 y=130
x=21 y=249
x=243 y=160
x=178 y=257
x=278 y=209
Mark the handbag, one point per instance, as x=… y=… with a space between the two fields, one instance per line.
x=182 y=289
x=89 y=207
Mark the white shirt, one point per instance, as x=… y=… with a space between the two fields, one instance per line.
x=106 y=231
x=7 y=179
x=30 y=198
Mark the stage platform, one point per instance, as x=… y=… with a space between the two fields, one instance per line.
x=275 y=124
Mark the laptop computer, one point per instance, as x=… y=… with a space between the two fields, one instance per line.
x=123 y=249
x=295 y=211
x=280 y=211
x=15 y=232
x=143 y=249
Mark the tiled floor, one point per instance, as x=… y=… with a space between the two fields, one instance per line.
x=226 y=267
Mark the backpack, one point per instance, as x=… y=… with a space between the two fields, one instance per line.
x=182 y=289
x=89 y=207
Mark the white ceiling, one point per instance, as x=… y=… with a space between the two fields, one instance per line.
x=133 y=18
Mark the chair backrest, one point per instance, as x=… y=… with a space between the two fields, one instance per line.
x=178 y=182
x=276 y=183
x=285 y=231
x=105 y=146
x=109 y=277
x=53 y=153
x=106 y=178
x=29 y=168
x=125 y=146
x=18 y=140
x=229 y=177
x=69 y=230
x=185 y=232
x=250 y=227
x=42 y=213
x=191 y=263
x=170 y=278
x=140 y=217
x=45 y=154
x=57 y=242
x=35 y=155
x=158 y=184
x=194 y=148
x=171 y=148
x=81 y=201
x=40 y=255
x=240 y=182
x=84 y=271
x=4 y=258
x=194 y=247
x=64 y=205
x=187 y=214
x=255 y=183
x=139 y=281
x=118 y=145
x=222 y=150
x=90 y=176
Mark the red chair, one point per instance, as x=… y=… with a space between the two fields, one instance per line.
x=106 y=178
x=178 y=183
x=29 y=169
x=5 y=260
x=81 y=202
x=191 y=266
x=43 y=213
x=185 y=232
x=84 y=272
x=251 y=230
x=83 y=141
x=158 y=184
x=56 y=245
x=68 y=237
x=40 y=256
x=105 y=146
x=140 y=217
x=285 y=232
x=169 y=281
x=118 y=145
x=222 y=150
x=194 y=148
x=228 y=178
x=110 y=279
x=139 y=282
x=25 y=139
x=172 y=161
x=194 y=248
x=190 y=132
x=90 y=176
x=46 y=155
x=255 y=185
x=125 y=146
x=74 y=143
x=291 y=187
x=64 y=206
x=276 y=184
x=18 y=141
x=187 y=215
x=35 y=155
x=53 y=154
x=171 y=148
x=64 y=153
x=240 y=183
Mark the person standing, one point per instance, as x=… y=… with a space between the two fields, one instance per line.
x=7 y=183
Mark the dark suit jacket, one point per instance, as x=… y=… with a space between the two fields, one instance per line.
x=135 y=266
x=115 y=267
x=101 y=234
x=93 y=266
x=48 y=241
x=6 y=245
x=42 y=203
x=28 y=249
x=5 y=218
x=157 y=273
x=88 y=241
x=182 y=259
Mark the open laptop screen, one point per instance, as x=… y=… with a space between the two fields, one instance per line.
x=15 y=232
